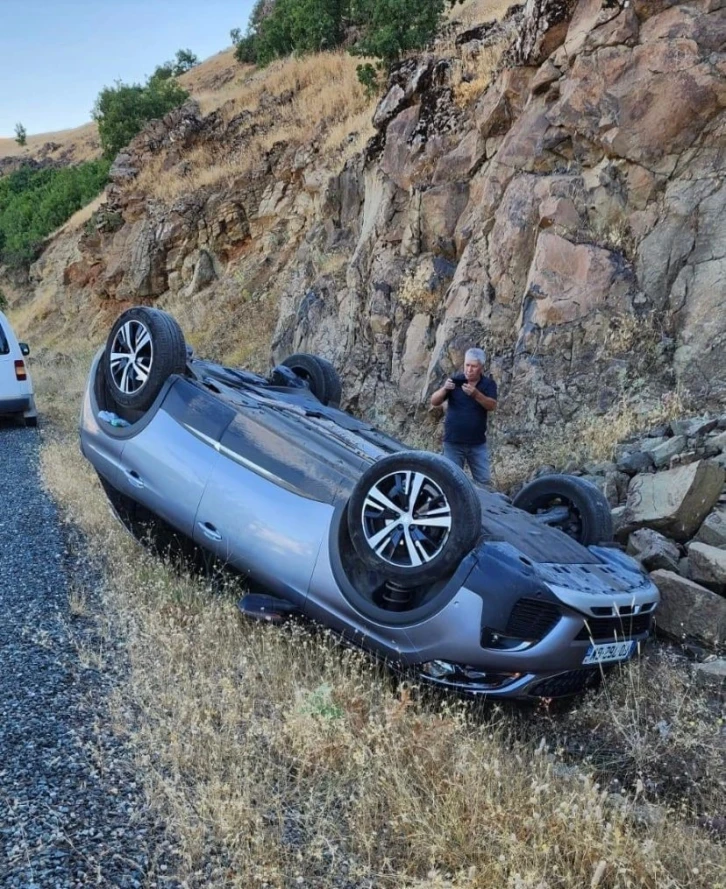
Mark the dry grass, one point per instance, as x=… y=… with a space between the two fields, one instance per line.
x=279 y=758
x=475 y=12
x=480 y=71
x=77 y=145
x=589 y=437
x=310 y=101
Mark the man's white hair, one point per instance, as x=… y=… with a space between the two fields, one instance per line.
x=475 y=355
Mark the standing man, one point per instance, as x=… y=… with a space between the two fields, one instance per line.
x=470 y=397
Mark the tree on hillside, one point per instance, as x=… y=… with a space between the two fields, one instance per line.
x=21 y=134
x=122 y=111
x=246 y=47
x=388 y=29
x=393 y=27
x=185 y=61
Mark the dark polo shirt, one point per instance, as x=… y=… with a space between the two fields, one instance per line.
x=466 y=419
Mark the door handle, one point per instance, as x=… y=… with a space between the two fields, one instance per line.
x=210 y=531
x=134 y=478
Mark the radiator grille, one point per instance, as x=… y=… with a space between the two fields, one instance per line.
x=532 y=619
x=611 y=629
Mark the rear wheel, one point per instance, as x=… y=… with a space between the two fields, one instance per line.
x=144 y=348
x=320 y=375
x=413 y=516
x=572 y=504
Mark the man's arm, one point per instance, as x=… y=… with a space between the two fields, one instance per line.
x=489 y=404
x=440 y=395
x=489 y=400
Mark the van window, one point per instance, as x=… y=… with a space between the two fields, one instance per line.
x=4 y=347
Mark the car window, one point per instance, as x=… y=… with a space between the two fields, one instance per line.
x=4 y=347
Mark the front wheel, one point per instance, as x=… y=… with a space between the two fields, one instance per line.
x=413 y=516
x=577 y=506
x=144 y=348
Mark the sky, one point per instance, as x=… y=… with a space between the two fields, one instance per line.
x=57 y=55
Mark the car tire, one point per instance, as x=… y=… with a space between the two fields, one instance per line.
x=590 y=519
x=320 y=375
x=154 y=344
x=31 y=421
x=408 y=485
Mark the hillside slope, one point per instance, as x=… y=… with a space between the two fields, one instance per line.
x=567 y=217
x=206 y=83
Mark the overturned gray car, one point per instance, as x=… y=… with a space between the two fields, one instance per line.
x=395 y=549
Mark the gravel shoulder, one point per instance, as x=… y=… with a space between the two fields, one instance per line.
x=71 y=811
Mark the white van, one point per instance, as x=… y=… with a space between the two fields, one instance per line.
x=16 y=388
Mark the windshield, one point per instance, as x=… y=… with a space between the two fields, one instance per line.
x=4 y=347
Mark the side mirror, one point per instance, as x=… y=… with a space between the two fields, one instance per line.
x=24 y=349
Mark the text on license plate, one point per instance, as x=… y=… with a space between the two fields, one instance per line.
x=609 y=651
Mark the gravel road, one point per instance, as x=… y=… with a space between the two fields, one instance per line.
x=71 y=812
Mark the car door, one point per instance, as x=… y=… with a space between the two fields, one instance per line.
x=267 y=506
x=167 y=464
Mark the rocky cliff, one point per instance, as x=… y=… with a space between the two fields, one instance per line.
x=569 y=218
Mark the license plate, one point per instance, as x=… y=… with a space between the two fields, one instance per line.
x=609 y=651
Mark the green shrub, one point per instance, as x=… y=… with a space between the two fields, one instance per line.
x=388 y=29
x=368 y=76
x=21 y=134
x=185 y=61
x=123 y=110
x=246 y=50
x=33 y=203
x=393 y=27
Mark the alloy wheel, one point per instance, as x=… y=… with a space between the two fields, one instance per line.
x=132 y=354
x=406 y=518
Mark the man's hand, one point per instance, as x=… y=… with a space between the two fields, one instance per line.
x=468 y=389
x=440 y=395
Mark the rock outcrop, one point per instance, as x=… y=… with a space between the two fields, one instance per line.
x=573 y=213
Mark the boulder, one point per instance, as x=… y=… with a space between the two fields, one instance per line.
x=708 y=565
x=713 y=529
x=711 y=674
x=676 y=501
x=689 y=610
x=693 y=426
x=653 y=550
x=669 y=448
x=718 y=441
x=204 y=273
x=635 y=462
x=652 y=443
